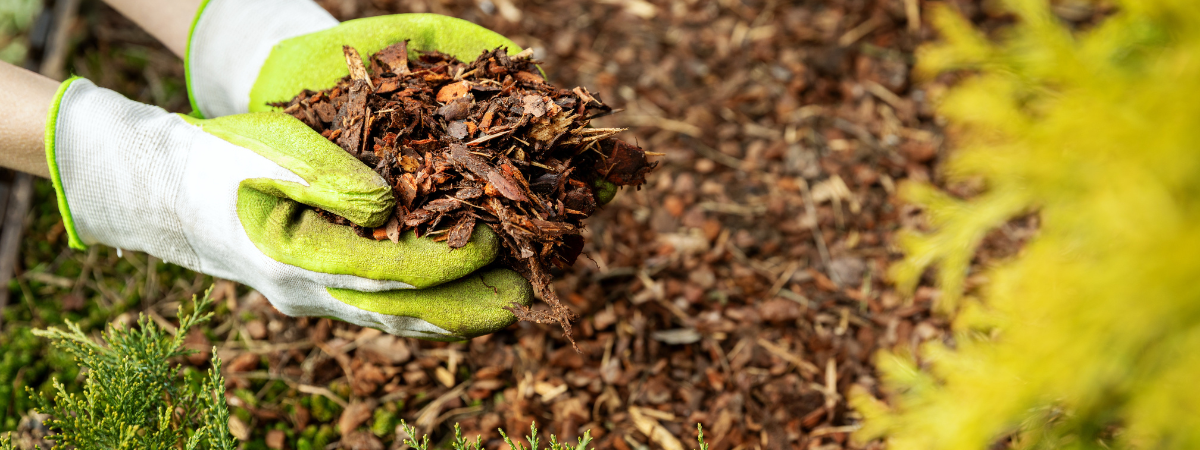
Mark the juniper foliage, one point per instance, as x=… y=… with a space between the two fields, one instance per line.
x=461 y=443
x=1090 y=337
x=134 y=397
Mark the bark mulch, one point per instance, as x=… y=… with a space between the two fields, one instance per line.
x=489 y=141
x=742 y=287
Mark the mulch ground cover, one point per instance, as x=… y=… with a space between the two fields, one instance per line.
x=743 y=287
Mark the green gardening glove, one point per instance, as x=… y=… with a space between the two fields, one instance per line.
x=246 y=54
x=243 y=54
x=226 y=197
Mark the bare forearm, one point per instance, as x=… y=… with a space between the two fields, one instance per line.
x=169 y=21
x=23 y=130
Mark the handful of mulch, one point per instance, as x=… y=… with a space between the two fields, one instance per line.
x=486 y=142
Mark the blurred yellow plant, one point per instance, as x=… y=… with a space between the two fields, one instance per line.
x=16 y=17
x=1090 y=337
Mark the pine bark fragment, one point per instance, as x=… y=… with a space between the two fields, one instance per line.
x=487 y=142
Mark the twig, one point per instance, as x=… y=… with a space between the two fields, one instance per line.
x=469 y=410
x=912 y=11
x=56 y=48
x=810 y=209
x=721 y=356
x=338 y=356
x=884 y=94
x=859 y=32
x=488 y=137
x=427 y=417
x=793 y=358
x=14 y=225
x=784 y=278
x=317 y=390
x=833 y=430
x=716 y=156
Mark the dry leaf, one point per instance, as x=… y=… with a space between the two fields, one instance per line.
x=354 y=415
x=239 y=429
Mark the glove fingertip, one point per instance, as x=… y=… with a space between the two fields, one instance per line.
x=474 y=305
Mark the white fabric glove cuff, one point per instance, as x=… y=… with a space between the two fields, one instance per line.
x=118 y=166
x=230 y=41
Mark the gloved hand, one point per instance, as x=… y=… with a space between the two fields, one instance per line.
x=223 y=197
x=244 y=54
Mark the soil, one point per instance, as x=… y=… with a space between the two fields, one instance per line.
x=488 y=142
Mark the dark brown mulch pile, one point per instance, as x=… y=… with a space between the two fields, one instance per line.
x=488 y=141
x=742 y=288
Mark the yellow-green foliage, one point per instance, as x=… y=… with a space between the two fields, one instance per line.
x=1090 y=338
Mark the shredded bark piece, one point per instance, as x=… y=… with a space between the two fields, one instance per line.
x=488 y=142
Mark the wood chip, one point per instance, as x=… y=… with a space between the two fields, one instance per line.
x=354 y=62
x=452 y=91
x=393 y=230
x=460 y=234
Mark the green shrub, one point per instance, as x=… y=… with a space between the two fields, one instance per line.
x=134 y=398
x=460 y=443
x=24 y=362
x=1090 y=337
